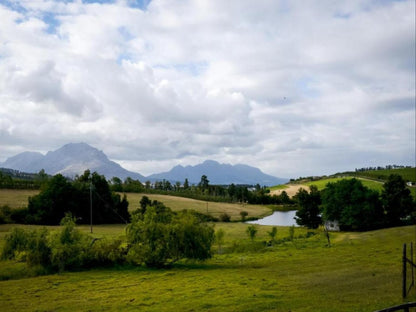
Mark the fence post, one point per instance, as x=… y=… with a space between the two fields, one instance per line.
x=404 y=290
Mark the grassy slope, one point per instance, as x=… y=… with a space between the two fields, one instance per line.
x=360 y=272
x=16 y=198
x=408 y=174
x=321 y=184
x=213 y=208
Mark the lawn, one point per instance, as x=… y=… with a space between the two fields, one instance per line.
x=359 y=272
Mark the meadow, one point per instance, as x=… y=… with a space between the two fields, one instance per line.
x=321 y=184
x=19 y=198
x=358 y=272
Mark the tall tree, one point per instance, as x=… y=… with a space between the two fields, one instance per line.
x=355 y=206
x=397 y=200
x=308 y=213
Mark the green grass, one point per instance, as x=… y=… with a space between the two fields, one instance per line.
x=16 y=198
x=408 y=174
x=278 y=187
x=321 y=184
x=360 y=272
x=214 y=209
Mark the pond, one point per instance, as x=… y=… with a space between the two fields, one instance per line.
x=282 y=218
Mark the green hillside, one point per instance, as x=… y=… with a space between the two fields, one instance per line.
x=408 y=174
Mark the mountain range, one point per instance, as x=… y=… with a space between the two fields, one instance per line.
x=74 y=158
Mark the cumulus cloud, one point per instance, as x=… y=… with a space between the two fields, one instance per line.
x=294 y=88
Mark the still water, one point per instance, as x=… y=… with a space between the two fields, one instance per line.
x=283 y=218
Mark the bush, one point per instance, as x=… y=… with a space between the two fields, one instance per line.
x=225 y=217
x=159 y=237
x=15 y=243
x=251 y=231
x=243 y=215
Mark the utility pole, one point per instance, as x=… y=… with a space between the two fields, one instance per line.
x=91 y=204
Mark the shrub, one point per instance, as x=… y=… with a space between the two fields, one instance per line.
x=251 y=231
x=69 y=246
x=15 y=242
x=159 y=237
x=243 y=215
x=225 y=217
x=5 y=214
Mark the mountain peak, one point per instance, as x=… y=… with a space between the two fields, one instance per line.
x=70 y=160
x=218 y=174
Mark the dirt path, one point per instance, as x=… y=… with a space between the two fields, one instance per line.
x=291 y=189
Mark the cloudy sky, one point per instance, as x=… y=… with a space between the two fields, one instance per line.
x=295 y=88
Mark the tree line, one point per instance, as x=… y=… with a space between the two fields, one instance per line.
x=356 y=207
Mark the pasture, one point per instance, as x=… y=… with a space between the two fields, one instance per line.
x=359 y=272
x=321 y=184
x=214 y=209
x=19 y=198
x=16 y=198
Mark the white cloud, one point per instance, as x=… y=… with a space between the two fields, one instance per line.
x=294 y=88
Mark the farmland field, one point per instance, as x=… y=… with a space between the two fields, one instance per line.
x=16 y=198
x=359 y=272
x=19 y=198
x=214 y=209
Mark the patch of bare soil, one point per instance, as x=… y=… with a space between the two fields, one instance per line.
x=291 y=190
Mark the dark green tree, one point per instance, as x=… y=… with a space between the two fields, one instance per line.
x=204 y=183
x=397 y=200
x=308 y=207
x=57 y=197
x=355 y=206
x=186 y=184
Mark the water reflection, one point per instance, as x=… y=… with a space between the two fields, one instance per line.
x=282 y=218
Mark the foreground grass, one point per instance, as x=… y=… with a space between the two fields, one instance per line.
x=360 y=272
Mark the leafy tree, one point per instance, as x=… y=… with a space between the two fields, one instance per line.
x=186 y=184
x=116 y=184
x=225 y=217
x=160 y=237
x=204 y=183
x=308 y=207
x=396 y=199
x=243 y=215
x=355 y=206
x=57 y=197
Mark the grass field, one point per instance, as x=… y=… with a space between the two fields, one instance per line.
x=359 y=272
x=19 y=198
x=212 y=208
x=16 y=198
x=408 y=174
x=321 y=184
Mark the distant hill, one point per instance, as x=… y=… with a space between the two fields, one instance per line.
x=69 y=160
x=218 y=174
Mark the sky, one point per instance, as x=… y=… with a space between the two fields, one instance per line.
x=295 y=88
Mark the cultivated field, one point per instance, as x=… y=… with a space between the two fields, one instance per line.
x=359 y=272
